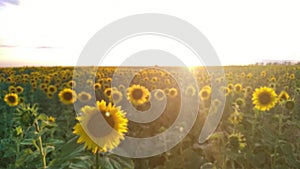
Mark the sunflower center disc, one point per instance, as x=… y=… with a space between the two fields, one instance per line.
x=264 y=98
x=68 y=96
x=99 y=128
x=84 y=97
x=137 y=94
x=12 y=99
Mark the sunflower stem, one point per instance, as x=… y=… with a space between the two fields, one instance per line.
x=97 y=160
x=41 y=148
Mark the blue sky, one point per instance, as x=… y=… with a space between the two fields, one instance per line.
x=53 y=32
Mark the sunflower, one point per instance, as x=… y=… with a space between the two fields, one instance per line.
x=145 y=79
x=107 y=92
x=190 y=91
x=264 y=98
x=138 y=94
x=89 y=82
x=153 y=87
x=235 y=118
x=49 y=95
x=11 y=99
x=159 y=94
x=19 y=89
x=204 y=94
x=167 y=81
x=122 y=87
x=67 y=96
x=43 y=86
x=273 y=79
x=297 y=90
x=11 y=89
x=243 y=75
x=172 y=92
x=47 y=80
x=96 y=134
x=51 y=89
x=272 y=85
x=84 y=97
x=249 y=75
x=116 y=96
x=237 y=141
x=283 y=96
x=240 y=102
x=263 y=73
x=97 y=86
x=71 y=84
x=238 y=87
x=230 y=86
x=216 y=103
x=292 y=76
x=225 y=90
x=154 y=79
x=19 y=130
x=51 y=119
x=21 y=100
x=166 y=90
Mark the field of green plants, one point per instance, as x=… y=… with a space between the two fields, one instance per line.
x=39 y=127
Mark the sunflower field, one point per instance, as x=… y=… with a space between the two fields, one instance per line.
x=50 y=117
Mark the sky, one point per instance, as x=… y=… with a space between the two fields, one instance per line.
x=54 y=32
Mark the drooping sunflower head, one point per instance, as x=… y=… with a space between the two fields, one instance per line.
x=283 y=96
x=272 y=85
x=67 y=96
x=235 y=118
x=101 y=128
x=138 y=94
x=240 y=102
x=237 y=141
x=11 y=99
x=264 y=98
